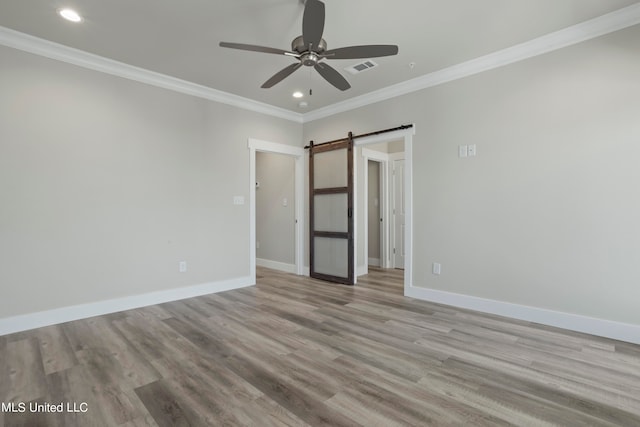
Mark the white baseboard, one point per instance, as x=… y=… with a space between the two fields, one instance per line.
x=574 y=322
x=276 y=265
x=374 y=261
x=361 y=270
x=9 y=325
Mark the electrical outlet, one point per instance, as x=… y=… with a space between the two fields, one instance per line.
x=182 y=266
x=471 y=150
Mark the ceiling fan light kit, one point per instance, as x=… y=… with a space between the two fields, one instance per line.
x=310 y=49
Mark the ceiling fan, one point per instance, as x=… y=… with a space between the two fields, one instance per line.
x=310 y=49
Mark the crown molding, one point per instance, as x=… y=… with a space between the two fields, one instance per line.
x=27 y=43
x=605 y=24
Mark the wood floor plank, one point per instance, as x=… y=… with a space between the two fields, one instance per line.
x=294 y=399
x=426 y=405
x=264 y=412
x=165 y=407
x=28 y=418
x=57 y=353
x=5 y=385
x=25 y=375
x=294 y=351
x=75 y=385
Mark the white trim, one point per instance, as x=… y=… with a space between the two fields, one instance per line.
x=48 y=49
x=378 y=156
x=361 y=270
x=365 y=212
x=408 y=216
x=274 y=147
x=24 y=322
x=299 y=211
x=374 y=262
x=255 y=145
x=574 y=322
x=596 y=27
x=276 y=265
x=605 y=24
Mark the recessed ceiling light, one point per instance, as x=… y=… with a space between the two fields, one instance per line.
x=298 y=94
x=70 y=15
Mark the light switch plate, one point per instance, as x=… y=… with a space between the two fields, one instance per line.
x=238 y=200
x=436 y=268
x=462 y=151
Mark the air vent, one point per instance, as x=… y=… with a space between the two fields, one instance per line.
x=363 y=66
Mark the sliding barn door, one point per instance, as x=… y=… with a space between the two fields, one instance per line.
x=331 y=211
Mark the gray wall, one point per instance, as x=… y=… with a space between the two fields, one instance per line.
x=546 y=214
x=275 y=223
x=106 y=184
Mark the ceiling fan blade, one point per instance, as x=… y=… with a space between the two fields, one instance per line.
x=332 y=76
x=313 y=23
x=357 y=52
x=255 y=48
x=281 y=75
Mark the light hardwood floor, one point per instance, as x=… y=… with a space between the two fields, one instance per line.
x=295 y=351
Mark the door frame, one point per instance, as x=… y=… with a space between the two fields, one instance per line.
x=298 y=154
x=392 y=215
x=387 y=193
x=407 y=136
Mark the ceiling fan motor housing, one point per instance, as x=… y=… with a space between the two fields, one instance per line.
x=308 y=57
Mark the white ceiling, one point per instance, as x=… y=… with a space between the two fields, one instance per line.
x=180 y=38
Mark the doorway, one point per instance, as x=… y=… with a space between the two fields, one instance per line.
x=404 y=137
x=387 y=160
x=297 y=153
x=275 y=211
x=375 y=213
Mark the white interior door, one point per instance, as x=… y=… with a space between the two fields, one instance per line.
x=398 y=213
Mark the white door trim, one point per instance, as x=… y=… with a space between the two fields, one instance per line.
x=407 y=136
x=392 y=200
x=297 y=153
